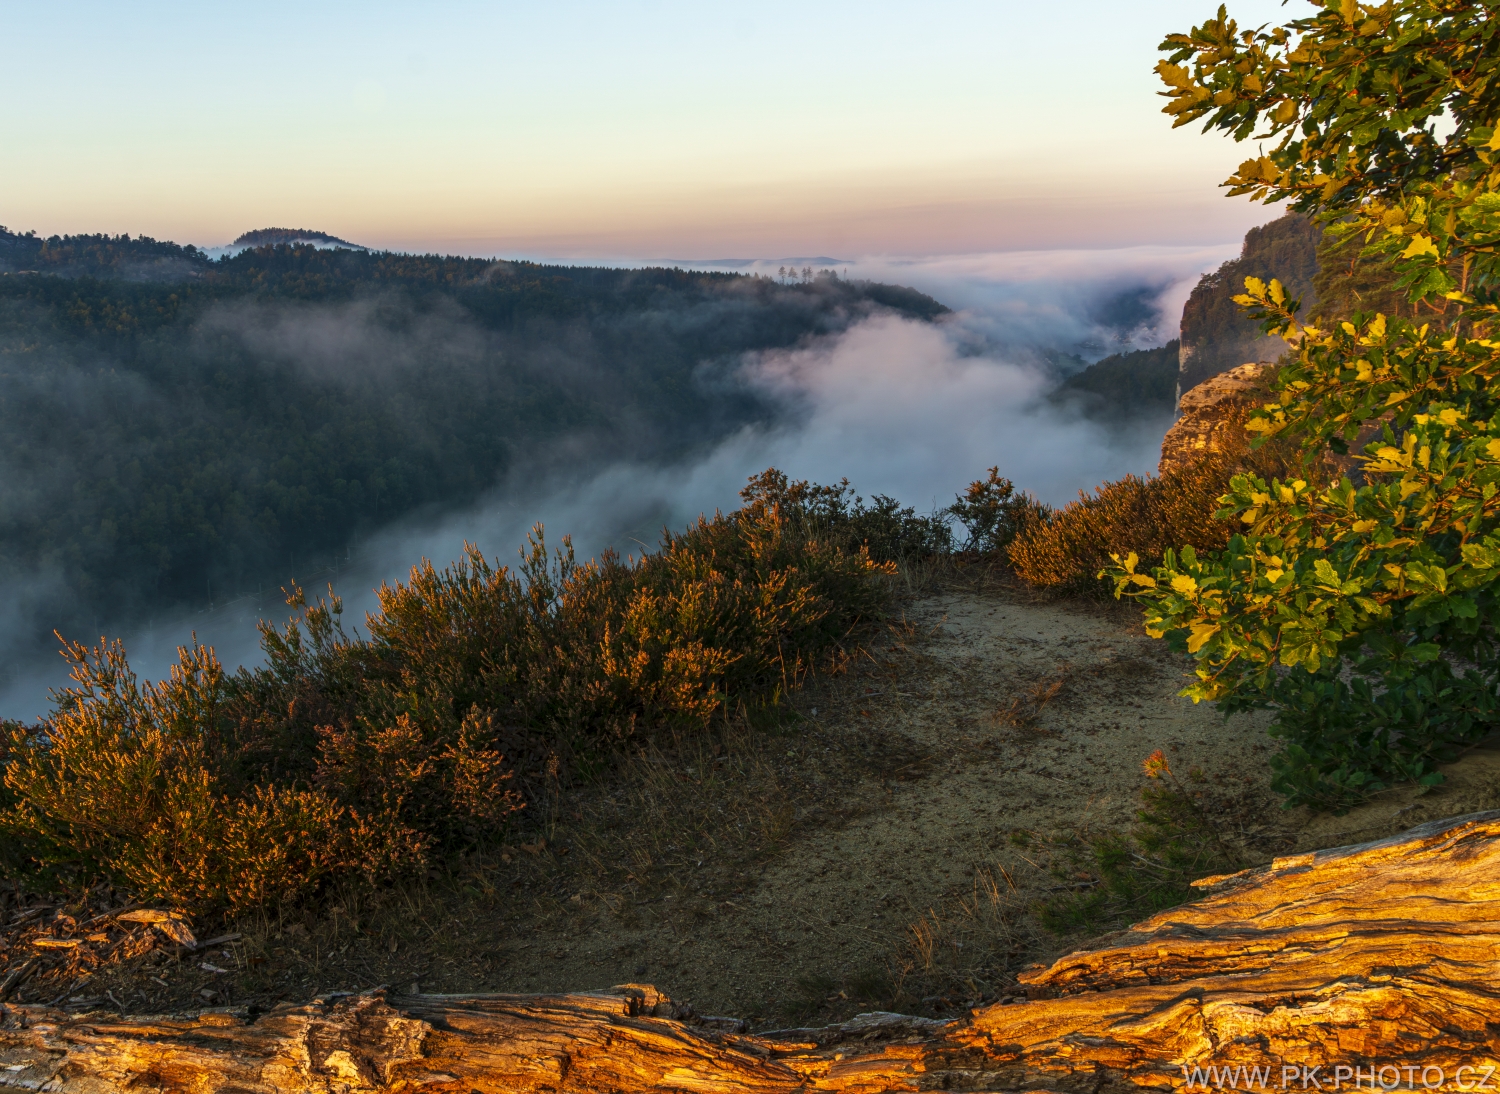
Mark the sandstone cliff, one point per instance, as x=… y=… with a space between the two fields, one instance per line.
x=1216 y=335
x=1212 y=416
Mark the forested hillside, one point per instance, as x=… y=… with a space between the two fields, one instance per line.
x=1140 y=383
x=1216 y=335
x=117 y=257
x=167 y=439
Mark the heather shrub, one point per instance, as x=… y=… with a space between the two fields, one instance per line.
x=140 y=782
x=348 y=757
x=1067 y=550
x=836 y=516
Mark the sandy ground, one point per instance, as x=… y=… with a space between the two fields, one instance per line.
x=895 y=880
x=836 y=904
x=830 y=911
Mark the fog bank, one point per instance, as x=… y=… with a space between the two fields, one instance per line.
x=900 y=407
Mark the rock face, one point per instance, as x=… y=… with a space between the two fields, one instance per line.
x=1216 y=334
x=1213 y=415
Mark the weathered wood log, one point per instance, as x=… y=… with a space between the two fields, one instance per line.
x=1383 y=957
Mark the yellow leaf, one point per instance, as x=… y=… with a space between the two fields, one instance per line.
x=1173 y=75
x=1421 y=244
x=1493 y=448
x=1255 y=287
x=1364 y=525
x=1184 y=584
x=1144 y=580
x=1201 y=633
x=1273 y=576
x=1278 y=292
x=1395 y=397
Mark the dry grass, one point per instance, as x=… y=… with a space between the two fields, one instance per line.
x=1026 y=708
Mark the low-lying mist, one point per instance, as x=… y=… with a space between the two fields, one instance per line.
x=903 y=407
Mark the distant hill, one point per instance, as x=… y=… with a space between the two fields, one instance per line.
x=1215 y=333
x=119 y=258
x=1141 y=383
x=269 y=237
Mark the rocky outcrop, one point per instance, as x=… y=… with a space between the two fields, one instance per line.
x=1213 y=416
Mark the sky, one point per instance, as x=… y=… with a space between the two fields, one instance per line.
x=632 y=128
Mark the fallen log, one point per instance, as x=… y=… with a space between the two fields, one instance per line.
x=1383 y=957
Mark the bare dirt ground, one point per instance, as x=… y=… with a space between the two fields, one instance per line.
x=855 y=849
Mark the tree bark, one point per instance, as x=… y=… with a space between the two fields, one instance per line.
x=1380 y=956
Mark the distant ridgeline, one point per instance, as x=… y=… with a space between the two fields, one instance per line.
x=102 y=256
x=174 y=428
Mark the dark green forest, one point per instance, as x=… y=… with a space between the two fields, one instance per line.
x=1140 y=383
x=177 y=429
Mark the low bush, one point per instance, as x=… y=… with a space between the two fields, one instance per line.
x=993 y=514
x=1065 y=550
x=838 y=516
x=345 y=757
x=1353 y=728
x=1147 y=516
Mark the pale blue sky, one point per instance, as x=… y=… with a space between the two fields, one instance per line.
x=628 y=128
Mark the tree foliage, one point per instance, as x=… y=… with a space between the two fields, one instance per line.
x=1363 y=612
x=1126 y=385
